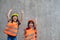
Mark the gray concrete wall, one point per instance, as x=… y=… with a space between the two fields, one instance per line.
x=46 y=13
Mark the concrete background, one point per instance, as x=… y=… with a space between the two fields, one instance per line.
x=45 y=12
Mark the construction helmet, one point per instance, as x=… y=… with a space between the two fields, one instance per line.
x=14 y=14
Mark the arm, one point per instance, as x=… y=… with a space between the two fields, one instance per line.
x=8 y=15
x=22 y=14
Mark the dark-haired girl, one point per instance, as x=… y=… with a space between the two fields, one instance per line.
x=30 y=31
x=13 y=25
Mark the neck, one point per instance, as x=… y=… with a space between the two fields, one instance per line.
x=31 y=28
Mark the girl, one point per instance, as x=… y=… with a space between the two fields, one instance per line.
x=13 y=25
x=30 y=31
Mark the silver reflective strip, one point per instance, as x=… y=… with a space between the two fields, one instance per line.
x=30 y=36
x=12 y=31
x=12 y=28
x=15 y=28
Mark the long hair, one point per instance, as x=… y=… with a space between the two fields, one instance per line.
x=16 y=20
x=34 y=27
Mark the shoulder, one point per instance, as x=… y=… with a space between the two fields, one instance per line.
x=9 y=20
x=27 y=29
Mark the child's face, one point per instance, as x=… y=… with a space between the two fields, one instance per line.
x=31 y=25
x=15 y=18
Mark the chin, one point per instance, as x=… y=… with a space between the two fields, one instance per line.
x=15 y=20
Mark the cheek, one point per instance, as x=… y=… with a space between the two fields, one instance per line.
x=13 y=17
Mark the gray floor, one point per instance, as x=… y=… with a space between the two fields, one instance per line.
x=45 y=12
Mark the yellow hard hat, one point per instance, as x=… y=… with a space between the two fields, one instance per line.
x=14 y=14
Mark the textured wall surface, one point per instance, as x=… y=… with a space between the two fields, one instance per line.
x=46 y=13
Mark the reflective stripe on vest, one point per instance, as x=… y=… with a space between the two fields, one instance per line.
x=30 y=35
x=11 y=29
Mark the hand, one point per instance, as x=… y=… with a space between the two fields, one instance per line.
x=22 y=15
x=10 y=10
x=8 y=15
x=22 y=11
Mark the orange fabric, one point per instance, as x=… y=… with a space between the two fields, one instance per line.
x=30 y=34
x=11 y=29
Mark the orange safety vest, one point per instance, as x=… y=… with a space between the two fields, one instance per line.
x=30 y=34
x=11 y=29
